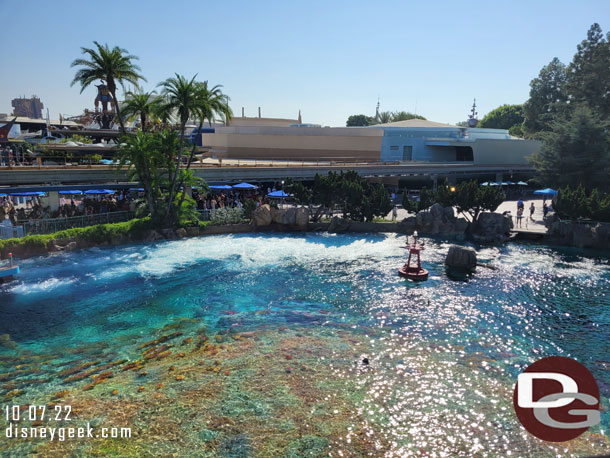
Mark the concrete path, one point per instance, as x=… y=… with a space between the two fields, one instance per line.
x=530 y=225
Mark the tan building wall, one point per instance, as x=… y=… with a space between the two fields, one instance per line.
x=296 y=143
x=261 y=122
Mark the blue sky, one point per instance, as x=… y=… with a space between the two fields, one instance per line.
x=329 y=59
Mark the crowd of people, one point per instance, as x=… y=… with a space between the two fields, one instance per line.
x=214 y=200
x=68 y=207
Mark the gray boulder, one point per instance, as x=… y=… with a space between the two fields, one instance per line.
x=437 y=211
x=153 y=236
x=168 y=233
x=459 y=257
x=301 y=218
x=407 y=225
x=289 y=217
x=492 y=228
x=181 y=233
x=71 y=246
x=338 y=224
x=192 y=231
x=261 y=216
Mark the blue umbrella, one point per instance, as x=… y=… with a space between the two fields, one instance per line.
x=522 y=183
x=71 y=191
x=546 y=192
x=244 y=186
x=222 y=186
x=485 y=184
x=136 y=189
x=509 y=183
x=100 y=191
x=2 y=195
x=493 y=183
x=36 y=193
x=279 y=193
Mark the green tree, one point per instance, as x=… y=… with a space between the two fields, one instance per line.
x=576 y=151
x=547 y=99
x=111 y=65
x=359 y=120
x=357 y=198
x=588 y=75
x=325 y=193
x=503 y=117
x=142 y=152
x=302 y=194
x=141 y=105
x=405 y=116
x=210 y=103
x=471 y=198
x=187 y=99
x=384 y=117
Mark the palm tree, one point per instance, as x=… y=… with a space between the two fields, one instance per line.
x=385 y=117
x=141 y=153
x=210 y=103
x=142 y=104
x=111 y=65
x=180 y=96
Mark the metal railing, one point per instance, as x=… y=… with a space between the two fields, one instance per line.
x=47 y=226
x=222 y=215
x=62 y=162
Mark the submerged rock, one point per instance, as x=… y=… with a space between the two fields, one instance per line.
x=459 y=257
x=6 y=342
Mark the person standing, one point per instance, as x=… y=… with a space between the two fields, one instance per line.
x=520 y=217
x=394 y=213
x=532 y=210
x=545 y=210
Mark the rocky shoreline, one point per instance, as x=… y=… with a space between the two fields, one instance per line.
x=490 y=228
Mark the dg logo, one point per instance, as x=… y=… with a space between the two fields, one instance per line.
x=556 y=399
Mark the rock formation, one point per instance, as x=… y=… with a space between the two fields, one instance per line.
x=460 y=257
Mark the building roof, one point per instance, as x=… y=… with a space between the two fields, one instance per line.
x=25 y=120
x=414 y=123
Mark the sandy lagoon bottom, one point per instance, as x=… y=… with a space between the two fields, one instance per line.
x=239 y=346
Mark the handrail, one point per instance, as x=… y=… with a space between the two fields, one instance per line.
x=49 y=225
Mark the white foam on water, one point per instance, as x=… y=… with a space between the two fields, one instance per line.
x=248 y=253
x=43 y=286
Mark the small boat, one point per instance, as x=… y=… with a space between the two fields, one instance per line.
x=414 y=272
x=8 y=272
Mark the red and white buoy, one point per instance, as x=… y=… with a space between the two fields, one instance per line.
x=414 y=271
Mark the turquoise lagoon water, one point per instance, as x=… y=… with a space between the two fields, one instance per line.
x=445 y=353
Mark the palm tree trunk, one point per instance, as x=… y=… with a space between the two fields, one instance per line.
x=118 y=110
x=175 y=177
x=188 y=164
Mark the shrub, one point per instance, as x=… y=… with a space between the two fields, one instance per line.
x=227 y=216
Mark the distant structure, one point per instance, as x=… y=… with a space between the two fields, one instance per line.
x=28 y=108
x=472 y=117
x=377 y=111
x=105 y=117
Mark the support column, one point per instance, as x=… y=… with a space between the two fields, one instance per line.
x=53 y=200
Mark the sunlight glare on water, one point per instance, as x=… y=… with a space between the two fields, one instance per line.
x=444 y=355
